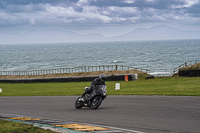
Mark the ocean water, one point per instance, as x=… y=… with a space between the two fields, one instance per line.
x=152 y=55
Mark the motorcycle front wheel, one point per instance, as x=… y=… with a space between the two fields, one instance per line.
x=96 y=102
x=78 y=104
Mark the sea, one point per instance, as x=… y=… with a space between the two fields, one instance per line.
x=152 y=55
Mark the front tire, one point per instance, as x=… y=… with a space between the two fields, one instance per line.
x=78 y=104
x=96 y=102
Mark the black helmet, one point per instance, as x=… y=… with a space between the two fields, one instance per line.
x=102 y=77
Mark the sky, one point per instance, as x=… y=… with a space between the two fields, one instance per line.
x=107 y=17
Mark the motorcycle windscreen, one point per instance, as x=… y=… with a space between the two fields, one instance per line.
x=102 y=90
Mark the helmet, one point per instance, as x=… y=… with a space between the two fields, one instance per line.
x=102 y=77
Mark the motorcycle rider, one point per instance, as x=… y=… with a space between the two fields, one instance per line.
x=98 y=81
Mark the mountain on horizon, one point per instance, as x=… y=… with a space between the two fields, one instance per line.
x=52 y=35
x=160 y=32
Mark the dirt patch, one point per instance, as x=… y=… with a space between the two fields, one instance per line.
x=70 y=74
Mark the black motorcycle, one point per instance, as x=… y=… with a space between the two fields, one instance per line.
x=94 y=99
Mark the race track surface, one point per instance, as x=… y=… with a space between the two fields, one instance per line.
x=150 y=114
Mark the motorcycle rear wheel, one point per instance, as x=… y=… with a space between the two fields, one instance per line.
x=96 y=102
x=78 y=104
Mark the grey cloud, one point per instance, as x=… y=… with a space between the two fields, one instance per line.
x=27 y=2
x=97 y=12
x=25 y=8
x=158 y=4
x=195 y=10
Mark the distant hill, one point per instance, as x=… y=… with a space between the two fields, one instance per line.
x=57 y=35
x=54 y=35
x=158 y=33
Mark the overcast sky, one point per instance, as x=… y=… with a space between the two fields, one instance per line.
x=108 y=17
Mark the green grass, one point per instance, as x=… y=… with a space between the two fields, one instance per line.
x=16 y=127
x=174 y=86
x=162 y=86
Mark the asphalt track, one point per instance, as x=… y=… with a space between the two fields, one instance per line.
x=150 y=114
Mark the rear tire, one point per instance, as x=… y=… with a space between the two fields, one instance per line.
x=78 y=104
x=96 y=102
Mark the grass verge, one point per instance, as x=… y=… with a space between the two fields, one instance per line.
x=173 y=86
x=16 y=127
x=193 y=67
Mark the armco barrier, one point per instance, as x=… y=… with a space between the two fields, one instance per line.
x=71 y=79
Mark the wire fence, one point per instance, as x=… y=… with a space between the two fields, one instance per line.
x=157 y=72
x=161 y=72
x=170 y=72
x=186 y=64
x=74 y=70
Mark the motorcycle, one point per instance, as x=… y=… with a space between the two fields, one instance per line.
x=92 y=100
